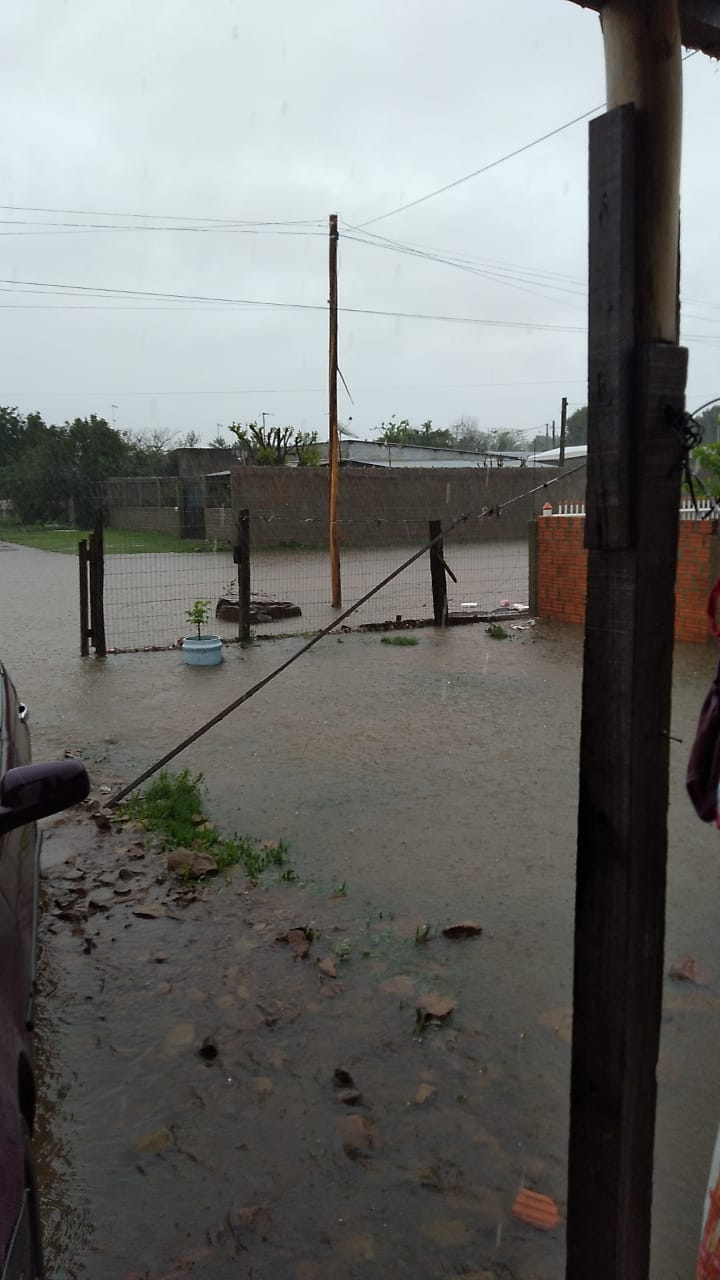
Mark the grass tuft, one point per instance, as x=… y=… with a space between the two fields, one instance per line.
x=402 y=642
x=173 y=807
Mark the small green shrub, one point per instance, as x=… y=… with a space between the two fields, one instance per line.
x=173 y=807
x=401 y=641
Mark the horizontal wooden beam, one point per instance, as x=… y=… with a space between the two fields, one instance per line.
x=700 y=23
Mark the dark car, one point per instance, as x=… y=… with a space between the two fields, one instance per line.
x=27 y=792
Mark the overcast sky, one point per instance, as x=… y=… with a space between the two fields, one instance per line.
x=281 y=113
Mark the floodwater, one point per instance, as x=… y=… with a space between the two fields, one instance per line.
x=432 y=784
x=146 y=595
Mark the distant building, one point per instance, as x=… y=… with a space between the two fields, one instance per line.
x=373 y=453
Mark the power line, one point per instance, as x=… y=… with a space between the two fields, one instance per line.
x=493 y=164
x=63 y=290
x=166 y=217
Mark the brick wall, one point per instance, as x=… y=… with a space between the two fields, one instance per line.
x=382 y=507
x=561 y=573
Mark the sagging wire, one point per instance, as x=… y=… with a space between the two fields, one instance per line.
x=484 y=513
x=690 y=433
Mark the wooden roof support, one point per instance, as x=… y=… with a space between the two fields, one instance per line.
x=699 y=23
x=635 y=395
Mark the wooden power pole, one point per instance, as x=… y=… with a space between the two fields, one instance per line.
x=563 y=429
x=333 y=438
x=636 y=382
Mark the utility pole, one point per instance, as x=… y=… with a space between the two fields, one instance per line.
x=563 y=429
x=333 y=439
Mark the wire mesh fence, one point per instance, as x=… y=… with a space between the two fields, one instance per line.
x=151 y=579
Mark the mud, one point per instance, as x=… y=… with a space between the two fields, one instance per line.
x=437 y=782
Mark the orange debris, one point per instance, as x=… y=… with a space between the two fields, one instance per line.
x=537 y=1210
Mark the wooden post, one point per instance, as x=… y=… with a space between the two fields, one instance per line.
x=563 y=429
x=333 y=439
x=636 y=391
x=84 y=615
x=97 y=587
x=241 y=556
x=437 y=576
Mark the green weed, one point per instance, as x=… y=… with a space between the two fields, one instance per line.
x=173 y=807
x=401 y=641
x=496 y=632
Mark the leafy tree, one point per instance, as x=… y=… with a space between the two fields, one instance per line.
x=270 y=446
x=576 y=427
x=426 y=435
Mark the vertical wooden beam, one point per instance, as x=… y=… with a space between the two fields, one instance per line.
x=97 y=586
x=241 y=555
x=563 y=430
x=437 y=575
x=636 y=391
x=84 y=615
x=333 y=438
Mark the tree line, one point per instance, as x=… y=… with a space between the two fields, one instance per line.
x=53 y=473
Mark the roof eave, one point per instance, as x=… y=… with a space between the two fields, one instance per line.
x=700 y=22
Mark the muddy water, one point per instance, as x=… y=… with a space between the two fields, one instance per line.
x=436 y=782
x=146 y=595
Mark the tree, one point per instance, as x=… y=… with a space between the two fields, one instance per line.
x=270 y=446
x=426 y=436
x=576 y=427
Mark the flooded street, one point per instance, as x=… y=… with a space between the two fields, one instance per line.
x=416 y=786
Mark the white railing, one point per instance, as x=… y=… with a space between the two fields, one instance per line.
x=706 y=509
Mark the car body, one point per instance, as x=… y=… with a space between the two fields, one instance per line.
x=27 y=793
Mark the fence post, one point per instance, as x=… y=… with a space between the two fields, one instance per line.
x=84 y=616
x=437 y=576
x=97 y=580
x=241 y=556
x=533 y=567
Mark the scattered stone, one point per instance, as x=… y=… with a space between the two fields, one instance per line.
x=424 y=1093
x=351 y=1097
x=191 y=862
x=434 y=1007
x=126 y=873
x=536 y=1210
x=93 y=805
x=179 y=1037
x=73 y=873
x=102 y=819
x=150 y=911
x=357 y=1136
x=154 y=1142
x=685 y=969
x=327 y=967
x=208 y=1049
x=297 y=939
x=198 y=819
x=342 y=1079
x=160 y=957
x=559 y=1021
x=464 y=929
x=122 y=890
x=253 y=1219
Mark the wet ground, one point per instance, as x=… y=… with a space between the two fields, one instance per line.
x=434 y=783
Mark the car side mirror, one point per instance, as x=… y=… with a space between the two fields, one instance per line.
x=34 y=791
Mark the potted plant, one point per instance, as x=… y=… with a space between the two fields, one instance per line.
x=201 y=650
